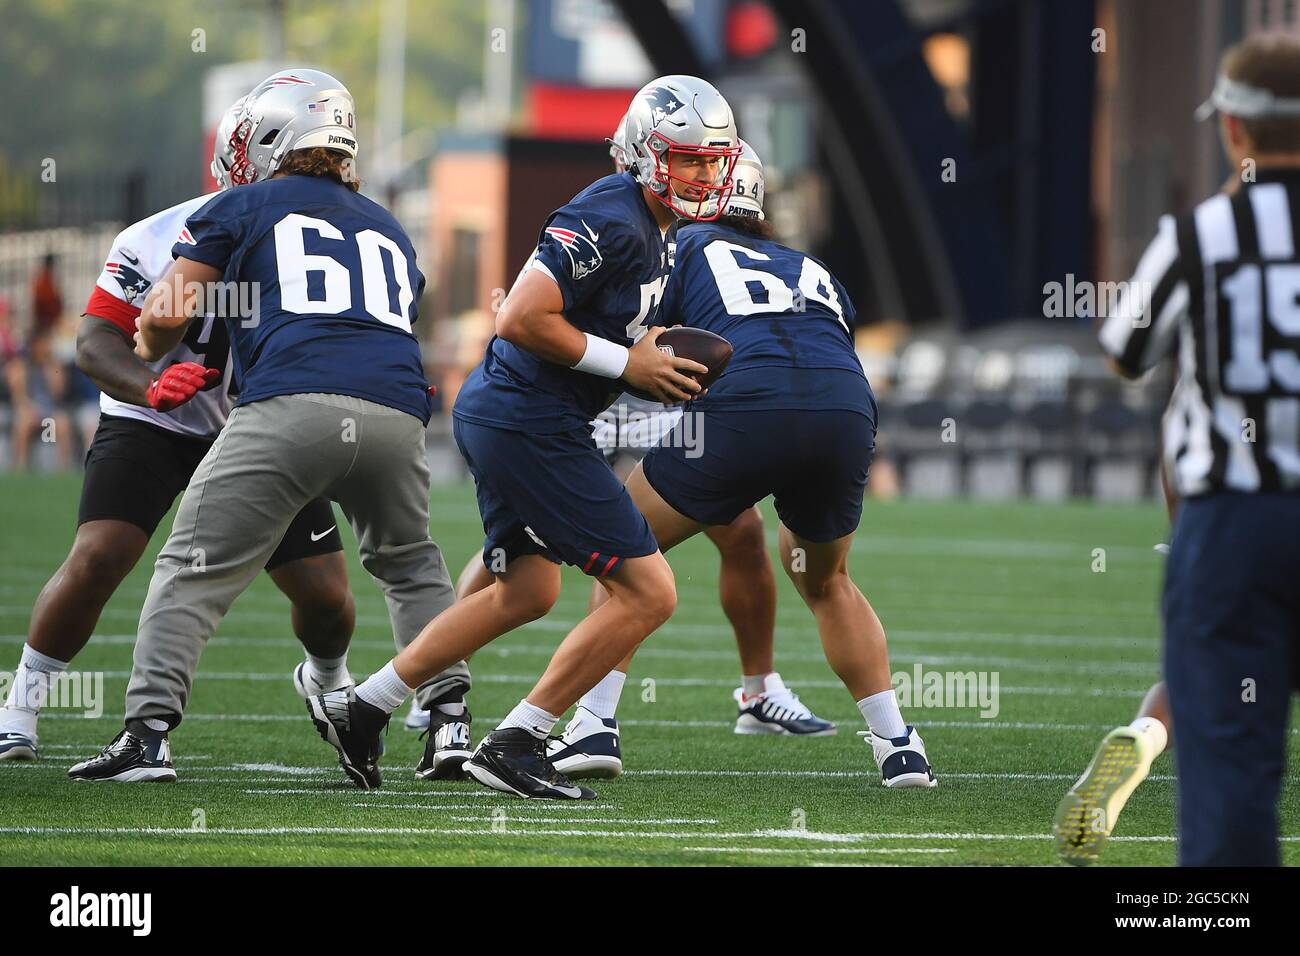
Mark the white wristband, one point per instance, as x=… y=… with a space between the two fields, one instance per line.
x=602 y=357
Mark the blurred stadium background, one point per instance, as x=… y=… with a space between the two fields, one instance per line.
x=952 y=161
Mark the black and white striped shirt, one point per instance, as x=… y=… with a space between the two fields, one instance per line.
x=1221 y=286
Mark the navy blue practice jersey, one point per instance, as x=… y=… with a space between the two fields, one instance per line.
x=778 y=307
x=337 y=286
x=608 y=256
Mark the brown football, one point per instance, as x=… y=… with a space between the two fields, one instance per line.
x=710 y=350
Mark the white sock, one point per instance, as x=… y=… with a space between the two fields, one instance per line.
x=753 y=684
x=32 y=681
x=384 y=689
x=1154 y=731
x=882 y=715
x=451 y=710
x=532 y=719
x=326 y=671
x=602 y=700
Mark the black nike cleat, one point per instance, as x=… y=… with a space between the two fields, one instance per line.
x=129 y=759
x=514 y=761
x=446 y=746
x=353 y=727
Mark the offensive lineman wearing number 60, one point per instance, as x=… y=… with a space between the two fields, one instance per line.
x=333 y=404
x=157 y=422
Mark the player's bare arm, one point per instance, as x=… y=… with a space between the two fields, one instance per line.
x=164 y=315
x=105 y=353
x=532 y=318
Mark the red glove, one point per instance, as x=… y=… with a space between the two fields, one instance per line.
x=179 y=383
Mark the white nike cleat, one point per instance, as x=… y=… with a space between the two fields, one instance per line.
x=587 y=748
x=306 y=684
x=1088 y=813
x=17 y=734
x=17 y=746
x=902 y=760
x=778 y=710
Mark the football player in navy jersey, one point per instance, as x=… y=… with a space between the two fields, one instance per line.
x=590 y=744
x=157 y=422
x=793 y=416
x=333 y=403
x=564 y=348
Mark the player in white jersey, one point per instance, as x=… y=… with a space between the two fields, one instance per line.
x=157 y=422
x=590 y=746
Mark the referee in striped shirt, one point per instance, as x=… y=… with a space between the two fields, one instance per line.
x=1221 y=288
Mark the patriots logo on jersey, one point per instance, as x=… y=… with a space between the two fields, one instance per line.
x=584 y=257
x=663 y=102
x=133 y=284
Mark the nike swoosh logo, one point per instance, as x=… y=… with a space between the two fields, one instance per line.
x=317 y=537
x=567 y=791
x=130 y=258
x=594 y=236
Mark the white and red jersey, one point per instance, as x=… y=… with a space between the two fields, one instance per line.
x=140 y=256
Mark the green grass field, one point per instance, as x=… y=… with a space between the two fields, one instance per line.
x=960 y=586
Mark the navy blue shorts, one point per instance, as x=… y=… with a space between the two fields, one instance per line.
x=718 y=462
x=1232 y=661
x=552 y=495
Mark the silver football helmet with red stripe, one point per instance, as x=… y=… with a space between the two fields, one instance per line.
x=675 y=120
x=293 y=109
x=747 y=185
x=223 y=153
x=618 y=145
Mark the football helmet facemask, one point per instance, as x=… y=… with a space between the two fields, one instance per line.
x=293 y=109
x=681 y=118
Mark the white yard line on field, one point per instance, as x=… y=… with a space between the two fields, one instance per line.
x=883 y=850
x=899 y=635
x=721 y=682
x=811 y=836
x=983 y=725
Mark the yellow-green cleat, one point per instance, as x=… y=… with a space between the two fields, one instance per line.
x=1088 y=813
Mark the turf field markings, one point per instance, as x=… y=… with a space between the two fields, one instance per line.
x=882 y=850
x=983 y=725
x=871 y=774
x=809 y=835
x=632 y=821
x=720 y=682
x=482 y=819
x=383 y=794
x=901 y=635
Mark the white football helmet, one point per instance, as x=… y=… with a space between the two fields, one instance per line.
x=681 y=116
x=747 y=192
x=293 y=109
x=223 y=153
x=618 y=145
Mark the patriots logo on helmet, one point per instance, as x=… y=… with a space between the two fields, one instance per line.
x=584 y=257
x=663 y=102
x=133 y=284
